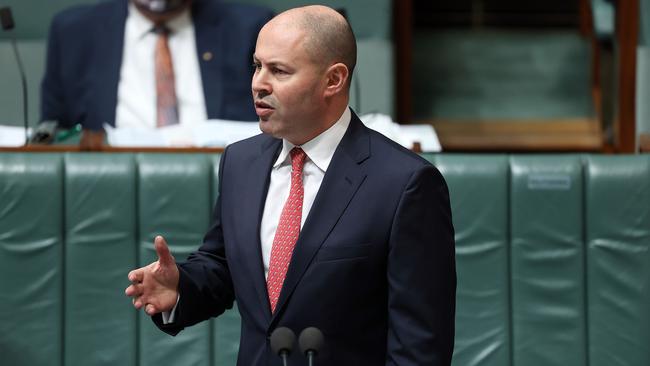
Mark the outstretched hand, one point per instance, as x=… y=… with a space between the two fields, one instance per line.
x=155 y=287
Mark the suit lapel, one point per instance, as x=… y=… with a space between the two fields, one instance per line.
x=252 y=209
x=343 y=178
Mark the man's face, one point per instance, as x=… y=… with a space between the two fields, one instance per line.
x=160 y=11
x=287 y=85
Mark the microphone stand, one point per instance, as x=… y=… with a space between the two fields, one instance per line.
x=310 y=357
x=284 y=355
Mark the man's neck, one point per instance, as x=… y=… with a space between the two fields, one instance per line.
x=328 y=118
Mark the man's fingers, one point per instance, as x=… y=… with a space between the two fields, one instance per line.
x=150 y=309
x=155 y=282
x=134 y=290
x=130 y=291
x=136 y=276
x=164 y=256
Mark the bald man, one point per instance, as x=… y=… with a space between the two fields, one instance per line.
x=319 y=222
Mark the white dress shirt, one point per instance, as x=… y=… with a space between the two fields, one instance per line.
x=320 y=151
x=136 y=91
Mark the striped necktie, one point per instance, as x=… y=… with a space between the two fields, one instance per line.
x=166 y=103
x=288 y=229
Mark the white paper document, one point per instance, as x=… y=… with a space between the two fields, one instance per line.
x=220 y=133
x=12 y=136
x=405 y=135
x=212 y=133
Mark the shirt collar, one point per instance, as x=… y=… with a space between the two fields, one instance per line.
x=143 y=26
x=320 y=149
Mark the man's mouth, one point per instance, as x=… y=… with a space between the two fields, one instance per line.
x=263 y=109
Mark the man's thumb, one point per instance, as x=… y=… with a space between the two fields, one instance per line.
x=164 y=256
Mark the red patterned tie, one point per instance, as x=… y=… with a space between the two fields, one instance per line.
x=166 y=107
x=288 y=229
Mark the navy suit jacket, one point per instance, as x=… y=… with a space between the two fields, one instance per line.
x=373 y=267
x=84 y=58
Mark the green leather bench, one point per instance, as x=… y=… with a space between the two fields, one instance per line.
x=553 y=256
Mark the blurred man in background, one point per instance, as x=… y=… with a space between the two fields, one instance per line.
x=150 y=63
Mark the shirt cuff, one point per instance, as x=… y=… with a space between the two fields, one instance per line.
x=169 y=316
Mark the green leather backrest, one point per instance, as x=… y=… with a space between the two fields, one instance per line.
x=174 y=201
x=553 y=258
x=226 y=331
x=101 y=224
x=618 y=259
x=547 y=256
x=478 y=188
x=31 y=259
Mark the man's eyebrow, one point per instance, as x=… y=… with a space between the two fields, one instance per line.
x=270 y=63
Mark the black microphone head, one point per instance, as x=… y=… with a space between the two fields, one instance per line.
x=6 y=19
x=282 y=340
x=311 y=339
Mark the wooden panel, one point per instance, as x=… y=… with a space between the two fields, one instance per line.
x=579 y=134
x=627 y=32
x=403 y=34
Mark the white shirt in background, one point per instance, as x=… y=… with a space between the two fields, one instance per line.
x=136 y=91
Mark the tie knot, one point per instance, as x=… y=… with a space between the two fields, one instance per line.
x=161 y=29
x=297 y=159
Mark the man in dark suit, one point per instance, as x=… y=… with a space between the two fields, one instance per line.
x=319 y=221
x=94 y=74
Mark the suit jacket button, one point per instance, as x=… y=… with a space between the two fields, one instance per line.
x=207 y=56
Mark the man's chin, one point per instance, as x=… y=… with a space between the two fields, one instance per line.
x=265 y=126
x=270 y=128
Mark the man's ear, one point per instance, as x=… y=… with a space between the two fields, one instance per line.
x=337 y=77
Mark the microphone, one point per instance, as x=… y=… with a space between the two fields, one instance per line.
x=7 y=21
x=282 y=340
x=311 y=340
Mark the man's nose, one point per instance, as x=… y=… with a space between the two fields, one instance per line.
x=260 y=84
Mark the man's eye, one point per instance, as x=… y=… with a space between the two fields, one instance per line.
x=279 y=71
x=256 y=66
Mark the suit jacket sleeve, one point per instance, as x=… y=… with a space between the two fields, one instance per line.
x=205 y=286
x=421 y=274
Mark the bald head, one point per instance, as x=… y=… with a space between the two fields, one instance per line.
x=328 y=37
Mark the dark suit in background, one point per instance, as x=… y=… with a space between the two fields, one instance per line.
x=84 y=58
x=373 y=267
